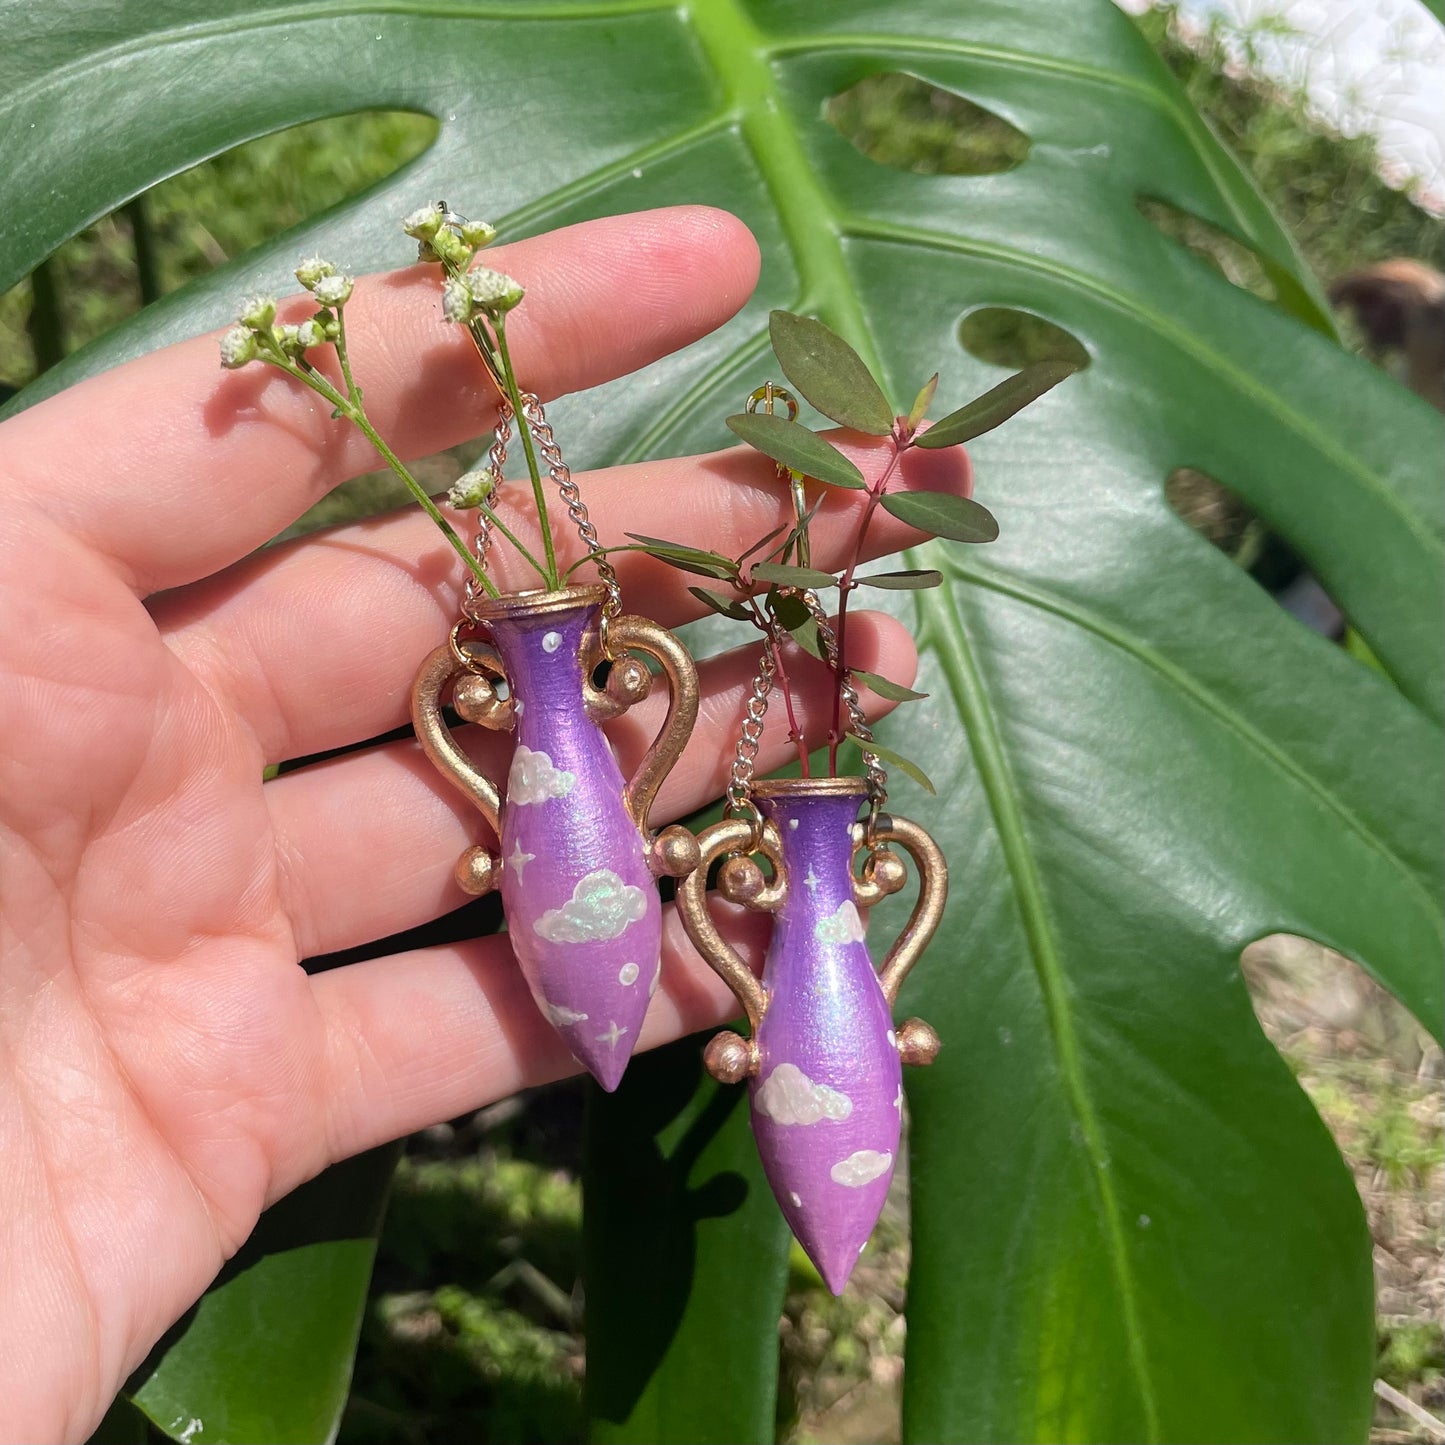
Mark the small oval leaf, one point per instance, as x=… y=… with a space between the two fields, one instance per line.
x=796 y=447
x=697 y=560
x=922 y=402
x=885 y=687
x=793 y=576
x=995 y=407
x=896 y=760
x=829 y=373
x=913 y=580
x=941 y=514
x=725 y=606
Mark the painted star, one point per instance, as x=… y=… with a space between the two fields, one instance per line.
x=812 y=880
x=518 y=859
x=610 y=1038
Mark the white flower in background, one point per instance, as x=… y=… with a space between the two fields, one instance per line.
x=789 y=1096
x=861 y=1168
x=844 y=926
x=601 y=907
x=533 y=779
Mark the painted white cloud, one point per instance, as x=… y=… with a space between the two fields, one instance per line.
x=533 y=779
x=563 y=1016
x=601 y=907
x=789 y=1096
x=861 y=1168
x=844 y=926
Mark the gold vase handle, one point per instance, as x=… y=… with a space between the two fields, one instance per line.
x=436 y=674
x=674 y=850
x=927 y=910
x=730 y=836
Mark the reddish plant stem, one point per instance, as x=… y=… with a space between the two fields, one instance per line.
x=780 y=678
x=846 y=587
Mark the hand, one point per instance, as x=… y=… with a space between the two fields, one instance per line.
x=166 y=1067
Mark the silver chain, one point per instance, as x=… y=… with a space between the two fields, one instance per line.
x=745 y=759
x=872 y=763
x=559 y=472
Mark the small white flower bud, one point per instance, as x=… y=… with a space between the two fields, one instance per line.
x=288 y=338
x=477 y=233
x=333 y=290
x=330 y=326
x=470 y=489
x=257 y=312
x=450 y=248
x=493 y=291
x=312 y=270
x=456 y=300
x=309 y=333
x=238 y=346
x=424 y=222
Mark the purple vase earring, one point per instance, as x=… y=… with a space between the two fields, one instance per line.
x=823 y=1060
x=578 y=857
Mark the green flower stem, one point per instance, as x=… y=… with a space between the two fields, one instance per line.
x=511 y=536
x=343 y=356
x=318 y=383
x=539 y=493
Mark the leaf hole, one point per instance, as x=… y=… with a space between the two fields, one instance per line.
x=1006 y=336
x=898 y=120
x=1239 y=264
x=1226 y=521
x=193 y=222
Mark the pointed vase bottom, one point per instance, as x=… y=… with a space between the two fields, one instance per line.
x=582 y=907
x=828 y=1096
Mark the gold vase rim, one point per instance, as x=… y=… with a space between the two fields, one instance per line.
x=538 y=602
x=811 y=787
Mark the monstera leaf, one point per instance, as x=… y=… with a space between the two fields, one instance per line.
x=1128 y=1222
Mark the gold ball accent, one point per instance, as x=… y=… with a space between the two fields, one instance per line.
x=886 y=870
x=628 y=681
x=476 y=871
x=676 y=851
x=476 y=700
x=740 y=880
x=918 y=1042
x=729 y=1058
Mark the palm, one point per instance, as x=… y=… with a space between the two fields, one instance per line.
x=168 y=1067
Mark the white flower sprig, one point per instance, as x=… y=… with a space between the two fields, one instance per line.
x=257 y=336
x=478 y=299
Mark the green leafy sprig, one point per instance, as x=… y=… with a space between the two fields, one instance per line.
x=830 y=375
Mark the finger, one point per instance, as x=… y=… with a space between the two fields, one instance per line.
x=315 y=644
x=431 y=1034
x=368 y=841
x=186 y=467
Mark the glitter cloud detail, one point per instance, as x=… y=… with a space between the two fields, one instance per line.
x=533 y=779
x=861 y=1168
x=601 y=907
x=844 y=926
x=789 y=1096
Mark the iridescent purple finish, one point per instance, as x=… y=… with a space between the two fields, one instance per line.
x=583 y=914
x=828 y=1094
